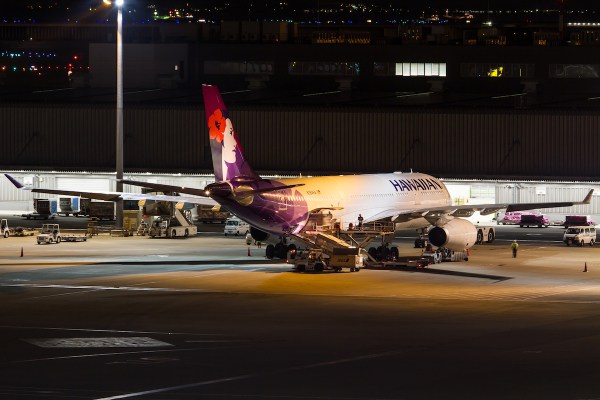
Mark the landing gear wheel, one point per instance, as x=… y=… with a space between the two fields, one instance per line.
x=479 y=237
x=270 y=251
x=280 y=251
x=491 y=236
x=373 y=252
x=292 y=251
x=394 y=253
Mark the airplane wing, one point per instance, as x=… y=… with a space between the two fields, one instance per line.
x=114 y=196
x=217 y=189
x=432 y=214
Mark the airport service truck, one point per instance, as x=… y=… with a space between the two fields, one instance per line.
x=578 y=220
x=50 y=233
x=316 y=260
x=485 y=234
x=539 y=220
x=174 y=227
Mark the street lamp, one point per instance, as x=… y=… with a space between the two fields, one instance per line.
x=119 y=128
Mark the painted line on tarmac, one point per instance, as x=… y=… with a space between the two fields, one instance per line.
x=117 y=353
x=98 y=288
x=109 y=330
x=172 y=388
x=257 y=375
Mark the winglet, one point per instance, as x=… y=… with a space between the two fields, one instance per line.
x=588 y=198
x=15 y=182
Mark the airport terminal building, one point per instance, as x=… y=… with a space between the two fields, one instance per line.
x=459 y=102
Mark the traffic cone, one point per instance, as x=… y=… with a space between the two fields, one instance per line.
x=585 y=267
x=21 y=251
x=248 y=251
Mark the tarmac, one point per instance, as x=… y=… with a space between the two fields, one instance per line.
x=199 y=318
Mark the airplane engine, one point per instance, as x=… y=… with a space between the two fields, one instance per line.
x=258 y=235
x=458 y=234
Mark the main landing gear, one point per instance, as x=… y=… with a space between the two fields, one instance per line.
x=280 y=250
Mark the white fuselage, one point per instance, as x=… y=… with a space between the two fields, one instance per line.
x=374 y=196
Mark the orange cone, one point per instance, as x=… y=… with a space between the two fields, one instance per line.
x=585 y=267
x=21 y=251
x=248 y=251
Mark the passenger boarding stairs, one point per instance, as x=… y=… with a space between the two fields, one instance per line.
x=331 y=236
x=179 y=219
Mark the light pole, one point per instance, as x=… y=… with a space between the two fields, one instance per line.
x=119 y=127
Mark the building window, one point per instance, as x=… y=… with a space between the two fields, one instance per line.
x=409 y=69
x=323 y=68
x=496 y=70
x=574 y=71
x=238 y=67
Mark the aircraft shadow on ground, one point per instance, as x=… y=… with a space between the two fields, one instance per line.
x=498 y=278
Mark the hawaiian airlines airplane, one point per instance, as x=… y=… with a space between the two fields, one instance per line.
x=283 y=207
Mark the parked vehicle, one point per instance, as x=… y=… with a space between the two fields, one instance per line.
x=578 y=220
x=235 y=226
x=316 y=260
x=539 y=220
x=580 y=235
x=511 y=218
x=4 y=231
x=50 y=234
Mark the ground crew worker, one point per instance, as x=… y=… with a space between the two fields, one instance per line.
x=514 y=246
x=360 y=221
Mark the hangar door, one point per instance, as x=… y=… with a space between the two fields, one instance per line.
x=84 y=184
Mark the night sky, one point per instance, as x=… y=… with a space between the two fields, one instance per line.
x=77 y=10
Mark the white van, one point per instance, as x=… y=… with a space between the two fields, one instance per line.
x=580 y=235
x=235 y=226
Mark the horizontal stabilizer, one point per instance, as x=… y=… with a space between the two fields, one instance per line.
x=224 y=189
x=265 y=190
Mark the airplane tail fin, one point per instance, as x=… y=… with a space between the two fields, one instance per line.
x=227 y=153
